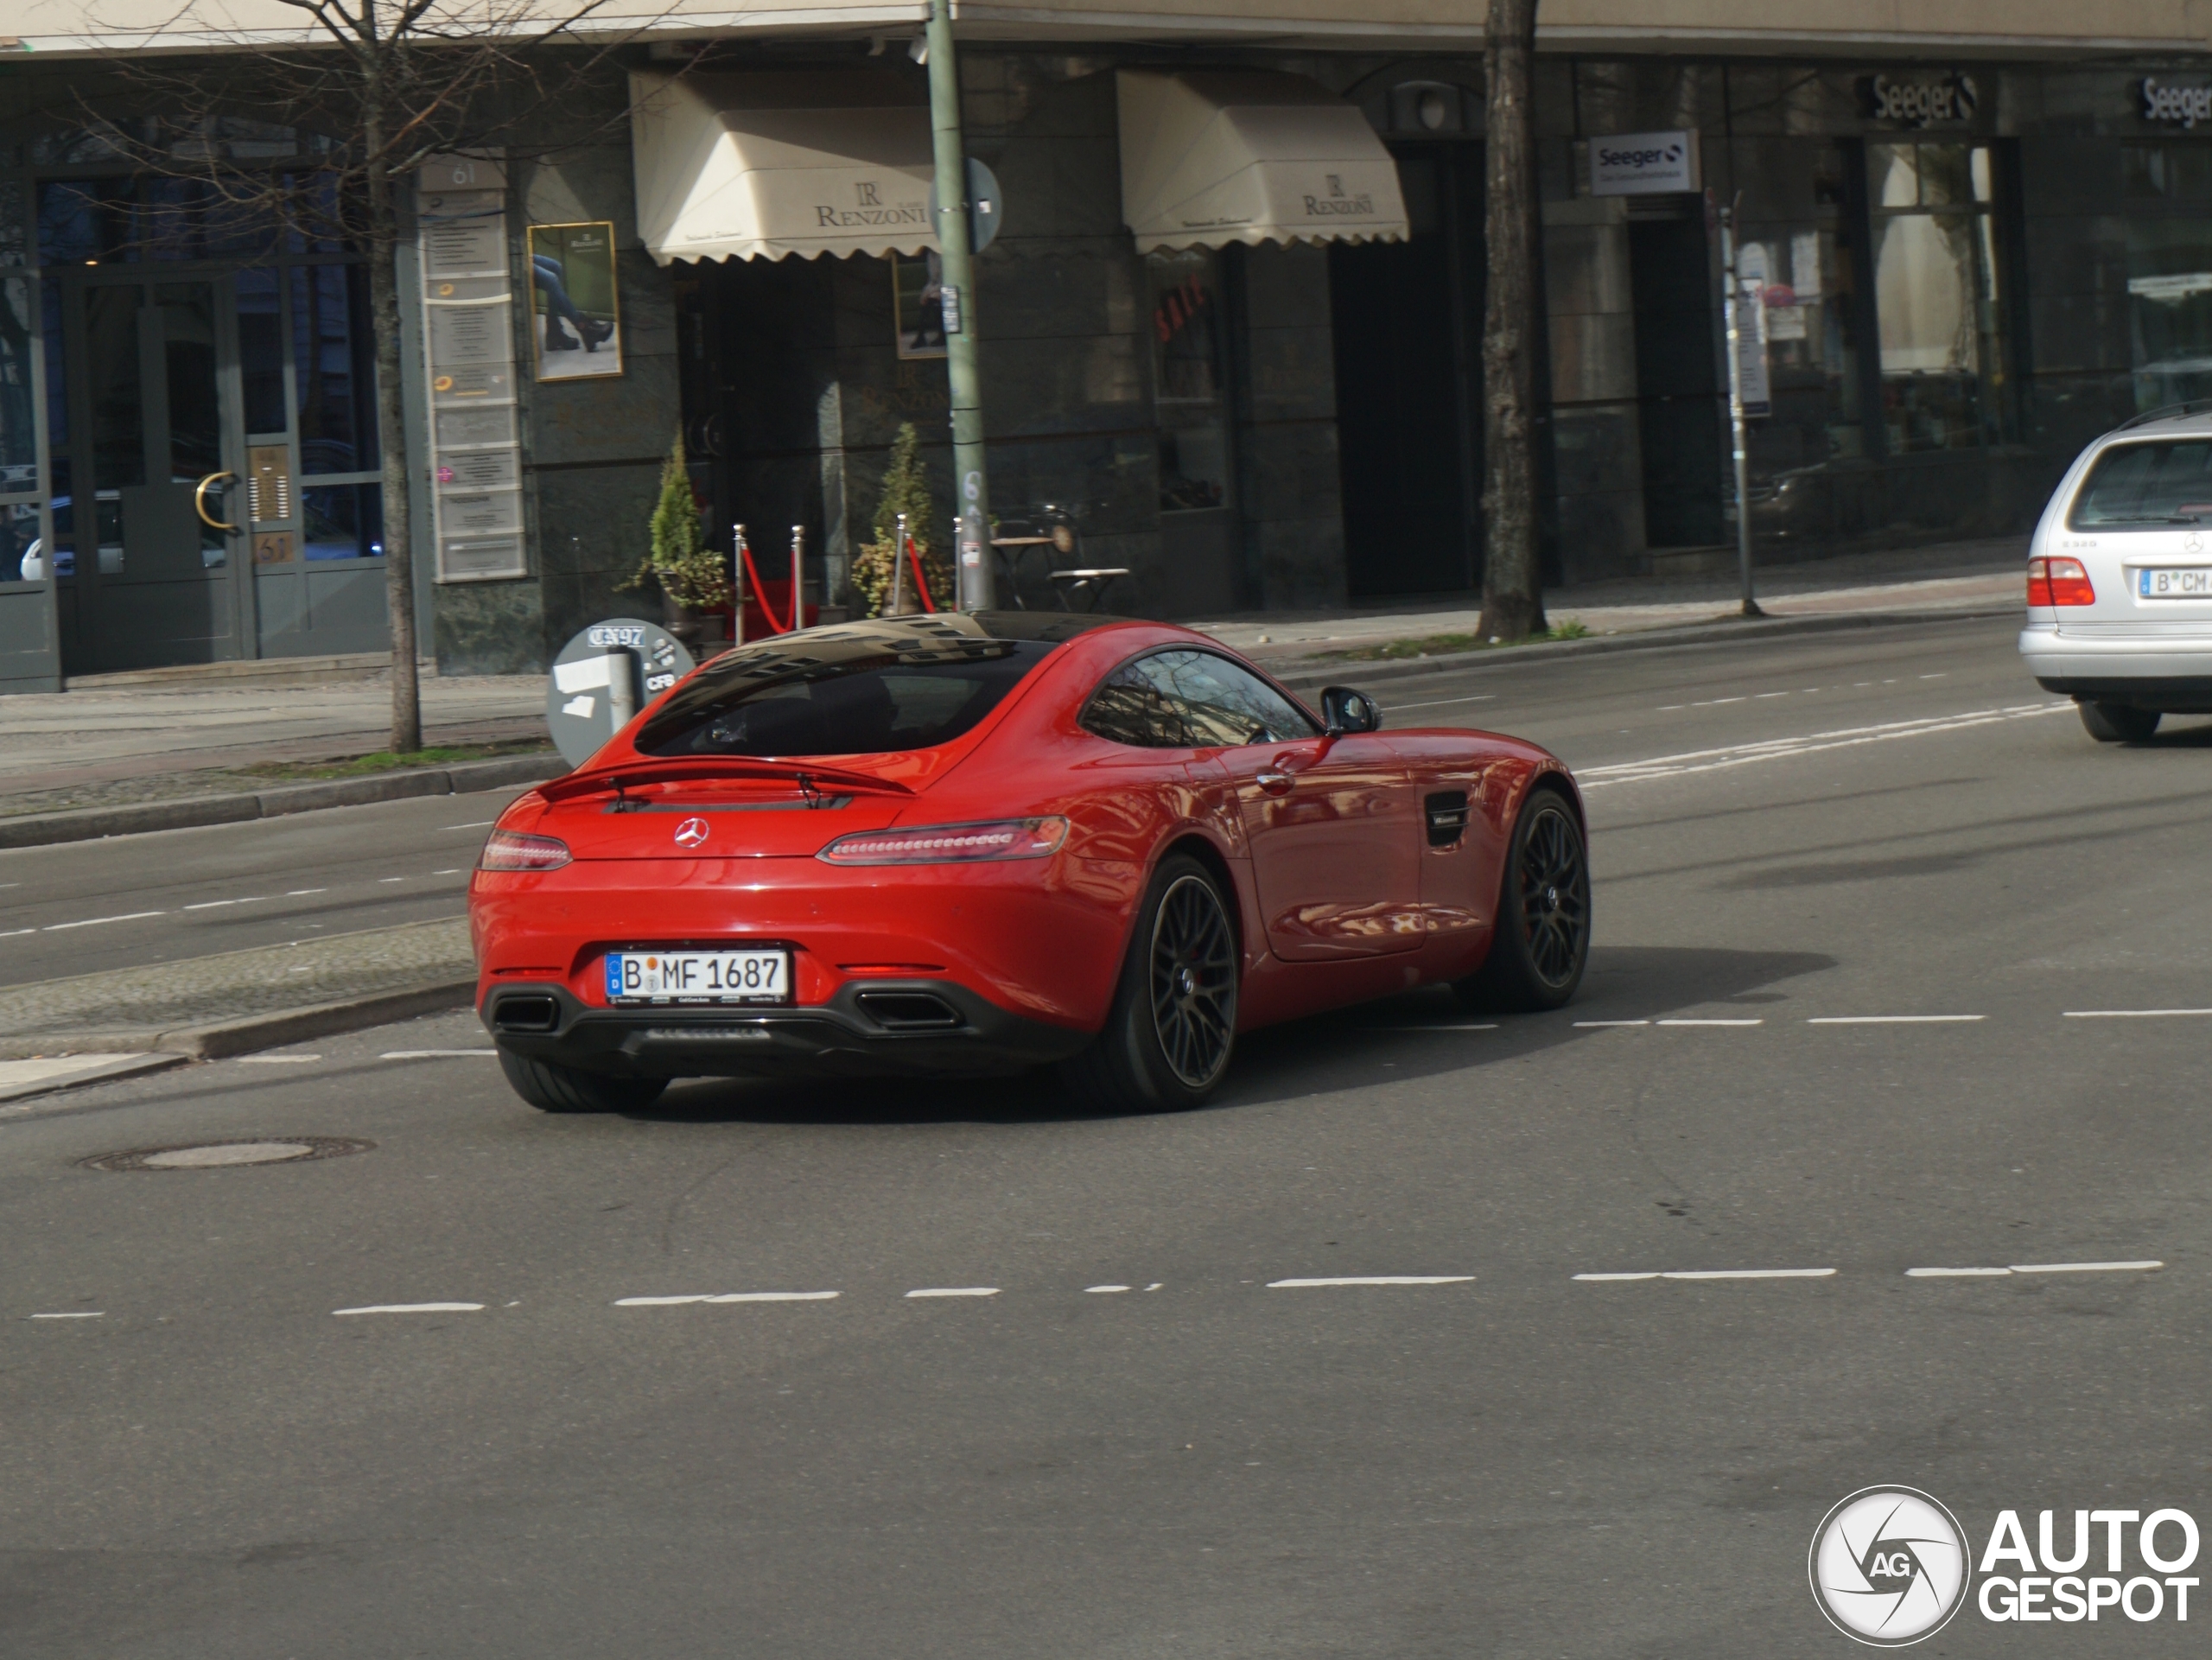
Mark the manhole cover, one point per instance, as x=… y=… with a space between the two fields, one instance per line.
x=210 y=1155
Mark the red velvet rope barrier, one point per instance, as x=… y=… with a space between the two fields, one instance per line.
x=921 y=582
x=760 y=596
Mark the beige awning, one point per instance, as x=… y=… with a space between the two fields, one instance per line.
x=765 y=166
x=1209 y=157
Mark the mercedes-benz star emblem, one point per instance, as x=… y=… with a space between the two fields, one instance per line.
x=691 y=832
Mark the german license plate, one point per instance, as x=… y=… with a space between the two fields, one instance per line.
x=2188 y=583
x=740 y=976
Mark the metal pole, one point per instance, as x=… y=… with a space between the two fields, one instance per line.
x=897 y=570
x=1730 y=311
x=798 y=577
x=977 y=591
x=621 y=686
x=737 y=582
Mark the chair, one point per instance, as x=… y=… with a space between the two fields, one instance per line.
x=1090 y=584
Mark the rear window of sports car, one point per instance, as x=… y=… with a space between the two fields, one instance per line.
x=2145 y=485
x=867 y=698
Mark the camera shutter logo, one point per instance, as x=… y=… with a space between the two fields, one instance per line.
x=1888 y=1566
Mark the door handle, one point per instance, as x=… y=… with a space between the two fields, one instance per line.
x=1274 y=783
x=200 y=503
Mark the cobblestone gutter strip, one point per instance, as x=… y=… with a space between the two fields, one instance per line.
x=89 y=823
x=237 y=1001
x=1297 y=677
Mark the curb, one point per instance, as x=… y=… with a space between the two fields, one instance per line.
x=269 y=1031
x=1700 y=633
x=92 y=823
x=131 y=1066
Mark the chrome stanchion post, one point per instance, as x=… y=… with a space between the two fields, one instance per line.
x=898 y=570
x=798 y=577
x=737 y=583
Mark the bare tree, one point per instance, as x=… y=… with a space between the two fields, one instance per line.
x=373 y=90
x=1513 y=595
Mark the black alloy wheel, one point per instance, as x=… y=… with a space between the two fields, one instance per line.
x=1541 y=941
x=1194 y=982
x=1168 y=1039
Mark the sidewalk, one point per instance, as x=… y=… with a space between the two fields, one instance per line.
x=1965 y=576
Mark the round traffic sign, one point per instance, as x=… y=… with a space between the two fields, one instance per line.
x=986 y=206
x=604 y=675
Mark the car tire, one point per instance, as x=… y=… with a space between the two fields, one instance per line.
x=550 y=1087
x=2119 y=723
x=1169 y=1038
x=1542 y=940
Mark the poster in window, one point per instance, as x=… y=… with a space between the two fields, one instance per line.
x=575 y=314
x=917 y=295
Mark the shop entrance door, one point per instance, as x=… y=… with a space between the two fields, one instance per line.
x=148 y=547
x=1678 y=391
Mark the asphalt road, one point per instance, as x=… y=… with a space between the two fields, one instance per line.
x=1130 y=1438
x=81 y=906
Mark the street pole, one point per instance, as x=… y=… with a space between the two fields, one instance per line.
x=1730 y=309
x=976 y=589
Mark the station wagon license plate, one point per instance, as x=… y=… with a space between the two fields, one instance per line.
x=2187 y=583
x=680 y=976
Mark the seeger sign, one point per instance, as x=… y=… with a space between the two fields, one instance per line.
x=1643 y=164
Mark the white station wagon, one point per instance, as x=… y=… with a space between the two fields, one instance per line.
x=2120 y=577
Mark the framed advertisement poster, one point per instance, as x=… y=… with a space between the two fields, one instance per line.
x=575 y=314
x=916 y=297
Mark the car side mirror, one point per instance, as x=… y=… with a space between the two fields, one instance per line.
x=1343 y=710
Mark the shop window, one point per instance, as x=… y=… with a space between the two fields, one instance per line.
x=1937 y=295
x=1189 y=375
x=2169 y=273
x=1801 y=268
x=18 y=429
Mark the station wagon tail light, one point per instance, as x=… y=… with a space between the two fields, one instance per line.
x=2059 y=582
x=950 y=845
x=512 y=850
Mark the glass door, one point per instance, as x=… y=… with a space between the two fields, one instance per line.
x=152 y=544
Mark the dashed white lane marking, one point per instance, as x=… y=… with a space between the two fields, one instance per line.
x=216 y=905
x=1721 y=1274
x=1438 y=702
x=456 y=871
x=2084 y=1268
x=1892 y=1020
x=277 y=1060
x=1594 y=1024
x=1709 y=760
x=436 y=1054
x=1760 y=696
x=726 y=1296
x=303 y=893
x=1106 y=1290
x=480 y=823
x=956 y=1291
x=1370 y=1279
x=385 y=881
x=1485 y=1025
x=94 y=922
x=75 y=1314
x=1707 y=1023
x=413 y=1308
x=12 y=933
x=1955 y=1273
x=2130 y=1014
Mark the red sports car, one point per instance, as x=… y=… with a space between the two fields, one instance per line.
x=978 y=843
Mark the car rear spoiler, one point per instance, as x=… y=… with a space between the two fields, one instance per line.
x=699 y=769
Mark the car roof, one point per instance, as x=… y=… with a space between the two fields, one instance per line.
x=2175 y=420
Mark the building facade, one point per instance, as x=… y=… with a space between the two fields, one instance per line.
x=1965 y=254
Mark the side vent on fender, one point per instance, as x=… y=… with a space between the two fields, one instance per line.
x=1446 y=813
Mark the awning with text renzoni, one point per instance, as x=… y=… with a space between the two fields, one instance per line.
x=765 y=166
x=1209 y=157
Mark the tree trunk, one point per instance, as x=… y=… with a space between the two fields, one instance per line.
x=1513 y=597
x=391 y=429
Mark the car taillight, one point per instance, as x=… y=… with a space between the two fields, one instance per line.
x=950 y=845
x=512 y=850
x=2059 y=582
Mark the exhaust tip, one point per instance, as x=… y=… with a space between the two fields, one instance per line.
x=526 y=1012
x=910 y=1011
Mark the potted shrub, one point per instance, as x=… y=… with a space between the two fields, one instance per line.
x=694 y=579
x=905 y=490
